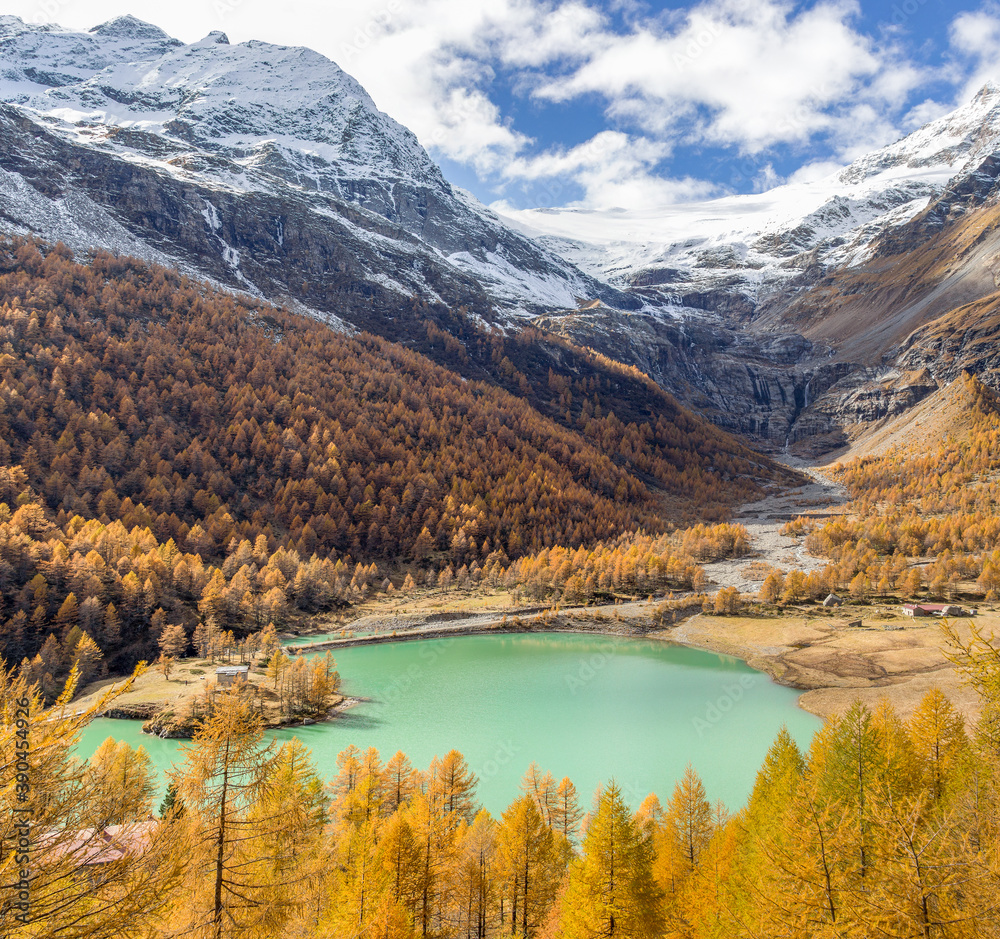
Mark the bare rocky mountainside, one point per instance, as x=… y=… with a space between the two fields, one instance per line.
x=806 y=315
x=794 y=317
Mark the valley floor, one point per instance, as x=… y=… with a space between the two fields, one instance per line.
x=808 y=647
x=764 y=520
x=890 y=655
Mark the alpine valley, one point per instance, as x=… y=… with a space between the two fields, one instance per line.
x=795 y=318
x=272 y=390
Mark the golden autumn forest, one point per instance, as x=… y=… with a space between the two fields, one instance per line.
x=175 y=460
x=168 y=453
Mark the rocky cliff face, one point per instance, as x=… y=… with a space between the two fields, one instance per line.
x=965 y=340
x=761 y=387
x=262 y=167
x=274 y=246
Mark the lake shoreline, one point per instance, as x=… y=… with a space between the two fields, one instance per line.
x=834 y=664
x=162 y=706
x=579 y=703
x=811 y=651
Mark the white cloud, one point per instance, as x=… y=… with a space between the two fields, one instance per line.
x=975 y=41
x=570 y=31
x=767 y=178
x=976 y=32
x=615 y=170
x=722 y=73
x=754 y=75
x=812 y=172
x=749 y=74
x=923 y=113
x=431 y=69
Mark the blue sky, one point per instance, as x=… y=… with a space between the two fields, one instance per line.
x=606 y=103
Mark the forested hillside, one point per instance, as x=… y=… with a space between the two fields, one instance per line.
x=170 y=452
x=922 y=521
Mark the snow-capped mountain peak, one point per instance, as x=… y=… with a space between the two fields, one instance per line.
x=259 y=119
x=209 y=94
x=129 y=27
x=946 y=145
x=215 y=38
x=838 y=216
x=834 y=220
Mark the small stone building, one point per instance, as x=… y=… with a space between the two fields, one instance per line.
x=229 y=675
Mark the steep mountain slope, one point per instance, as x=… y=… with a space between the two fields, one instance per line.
x=791 y=311
x=260 y=166
x=755 y=245
x=946 y=256
x=183 y=366
x=265 y=169
x=950 y=411
x=966 y=339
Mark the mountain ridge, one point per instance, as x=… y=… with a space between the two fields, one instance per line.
x=845 y=308
x=268 y=170
x=838 y=217
x=266 y=122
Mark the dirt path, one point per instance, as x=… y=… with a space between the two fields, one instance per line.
x=625 y=619
x=764 y=520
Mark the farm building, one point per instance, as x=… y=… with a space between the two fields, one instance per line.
x=933 y=609
x=228 y=675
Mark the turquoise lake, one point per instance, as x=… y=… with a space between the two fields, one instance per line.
x=591 y=708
